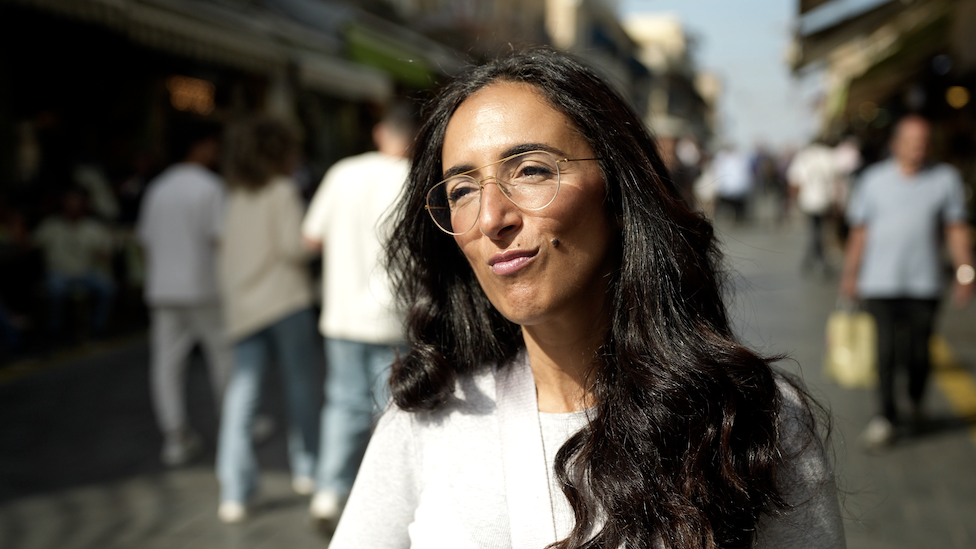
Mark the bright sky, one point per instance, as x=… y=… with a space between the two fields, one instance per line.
x=745 y=43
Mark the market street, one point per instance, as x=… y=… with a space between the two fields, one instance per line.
x=79 y=448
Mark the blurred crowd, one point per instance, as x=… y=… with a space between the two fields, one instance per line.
x=773 y=188
x=218 y=249
x=70 y=269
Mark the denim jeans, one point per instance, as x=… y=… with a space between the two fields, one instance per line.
x=97 y=284
x=355 y=393
x=294 y=342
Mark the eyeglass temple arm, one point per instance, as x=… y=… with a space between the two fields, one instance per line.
x=577 y=159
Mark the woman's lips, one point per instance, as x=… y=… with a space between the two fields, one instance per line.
x=510 y=262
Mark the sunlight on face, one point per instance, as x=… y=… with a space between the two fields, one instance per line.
x=528 y=278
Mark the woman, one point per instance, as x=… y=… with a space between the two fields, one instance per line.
x=573 y=379
x=267 y=300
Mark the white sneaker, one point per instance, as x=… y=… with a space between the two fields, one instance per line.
x=232 y=512
x=325 y=506
x=180 y=449
x=878 y=433
x=303 y=486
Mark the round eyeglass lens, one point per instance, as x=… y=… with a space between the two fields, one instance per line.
x=530 y=180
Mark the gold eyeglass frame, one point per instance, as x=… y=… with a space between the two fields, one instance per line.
x=481 y=187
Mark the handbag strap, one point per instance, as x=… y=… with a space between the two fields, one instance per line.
x=530 y=512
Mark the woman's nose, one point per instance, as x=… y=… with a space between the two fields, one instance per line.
x=498 y=216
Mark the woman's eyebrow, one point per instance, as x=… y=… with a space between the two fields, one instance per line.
x=456 y=170
x=526 y=147
x=511 y=151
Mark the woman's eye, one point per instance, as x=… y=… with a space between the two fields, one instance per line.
x=461 y=192
x=534 y=172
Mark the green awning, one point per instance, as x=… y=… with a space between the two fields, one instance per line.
x=400 y=60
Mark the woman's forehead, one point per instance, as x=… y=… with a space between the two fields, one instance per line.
x=504 y=115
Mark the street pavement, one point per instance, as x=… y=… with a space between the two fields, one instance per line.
x=919 y=494
x=79 y=463
x=79 y=448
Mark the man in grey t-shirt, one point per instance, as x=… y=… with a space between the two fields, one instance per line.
x=893 y=261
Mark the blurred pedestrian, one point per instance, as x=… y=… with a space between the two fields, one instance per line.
x=267 y=299
x=783 y=161
x=734 y=178
x=91 y=177
x=847 y=156
x=762 y=168
x=179 y=227
x=11 y=332
x=21 y=266
x=77 y=252
x=345 y=221
x=893 y=261
x=706 y=187
x=681 y=157
x=811 y=176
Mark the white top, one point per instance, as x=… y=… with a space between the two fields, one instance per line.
x=349 y=215
x=733 y=174
x=437 y=480
x=903 y=216
x=262 y=268
x=75 y=248
x=556 y=430
x=179 y=226
x=814 y=172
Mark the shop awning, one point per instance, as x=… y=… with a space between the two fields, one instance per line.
x=268 y=41
x=903 y=65
x=810 y=5
x=816 y=46
x=369 y=47
x=343 y=79
x=200 y=30
x=408 y=57
x=165 y=26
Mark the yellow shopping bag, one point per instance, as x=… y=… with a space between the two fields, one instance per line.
x=851 y=355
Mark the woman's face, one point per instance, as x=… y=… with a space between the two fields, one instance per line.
x=528 y=278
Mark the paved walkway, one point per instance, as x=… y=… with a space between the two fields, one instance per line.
x=79 y=448
x=919 y=494
x=79 y=464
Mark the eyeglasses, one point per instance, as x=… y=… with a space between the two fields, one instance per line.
x=530 y=180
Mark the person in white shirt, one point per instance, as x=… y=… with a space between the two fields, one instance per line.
x=179 y=228
x=812 y=177
x=345 y=222
x=734 y=180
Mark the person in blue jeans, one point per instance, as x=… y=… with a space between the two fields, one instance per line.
x=355 y=393
x=267 y=301
x=346 y=222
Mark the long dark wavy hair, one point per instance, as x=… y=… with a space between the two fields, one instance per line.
x=684 y=445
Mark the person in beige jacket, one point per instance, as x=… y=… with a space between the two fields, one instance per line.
x=267 y=295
